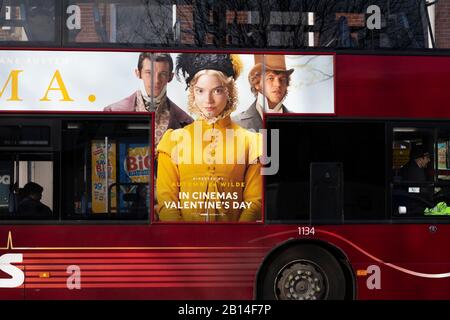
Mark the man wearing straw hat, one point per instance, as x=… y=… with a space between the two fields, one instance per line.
x=269 y=88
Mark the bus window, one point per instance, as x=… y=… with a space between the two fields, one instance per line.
x=441 y=195
x=26 y=188
x=344 y=24
x=409 y=145
x=254 y=24
x=26 y=170
x=420 y=185
x=110 y=22
x=24 y=136
x=75 y=168
x=348 y=152
x=106 y=168
x=29 y=21
x=443 y=154
x=412 y=191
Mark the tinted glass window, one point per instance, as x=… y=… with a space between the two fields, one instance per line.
x=375 y=24
x=27 y=186
x=29 y=21
x=340 y=24
x=24 y=135
x=123 y=22
x=107 y=170
x=421 y=177
x=358 y=147
x=78 y=168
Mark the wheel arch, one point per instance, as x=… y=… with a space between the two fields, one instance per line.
x=337 y=252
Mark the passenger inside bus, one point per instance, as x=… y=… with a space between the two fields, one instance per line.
x=414 y=169
x=30 y=204
x=415 y=199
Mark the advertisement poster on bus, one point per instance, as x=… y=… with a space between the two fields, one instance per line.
x=134 y=176
x=210 y=170
x=93 y=81
x=102 y=195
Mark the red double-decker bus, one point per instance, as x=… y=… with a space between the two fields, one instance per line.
x=340 y=216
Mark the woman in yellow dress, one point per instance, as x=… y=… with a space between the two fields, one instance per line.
x=209 y=171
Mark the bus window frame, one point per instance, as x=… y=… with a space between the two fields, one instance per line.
x=56 y=118
x=61 y=43
x=327 y=119
x=390 y=124
x=435 y=125
x=423 y=15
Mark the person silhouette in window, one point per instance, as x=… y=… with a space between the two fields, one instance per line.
x=414 y=169
x=30 y=205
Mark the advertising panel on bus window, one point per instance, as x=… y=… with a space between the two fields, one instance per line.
x=209 y=170
x=219 y=99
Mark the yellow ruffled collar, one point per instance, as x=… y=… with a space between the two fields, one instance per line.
x=223 y=122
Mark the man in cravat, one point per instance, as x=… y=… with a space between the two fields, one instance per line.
x=156 y=71
x=269 y=88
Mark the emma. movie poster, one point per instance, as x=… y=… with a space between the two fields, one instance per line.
x=209 y=112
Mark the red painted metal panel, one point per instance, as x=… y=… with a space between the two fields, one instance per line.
x=135 y=261
x=393 y=86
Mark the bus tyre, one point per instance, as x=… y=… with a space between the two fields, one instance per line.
x=303 y=272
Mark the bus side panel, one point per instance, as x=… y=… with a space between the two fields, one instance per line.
x=195 y=261
x=392 y=261
x=392 y=86
x=137 y=262
x=12 y=294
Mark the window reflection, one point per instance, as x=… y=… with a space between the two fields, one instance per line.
x=417 y=24
x=128 y=22
x=75 y=169
x=28 y=21
x=420 y=163
x=108 y=170
x=260 y=24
